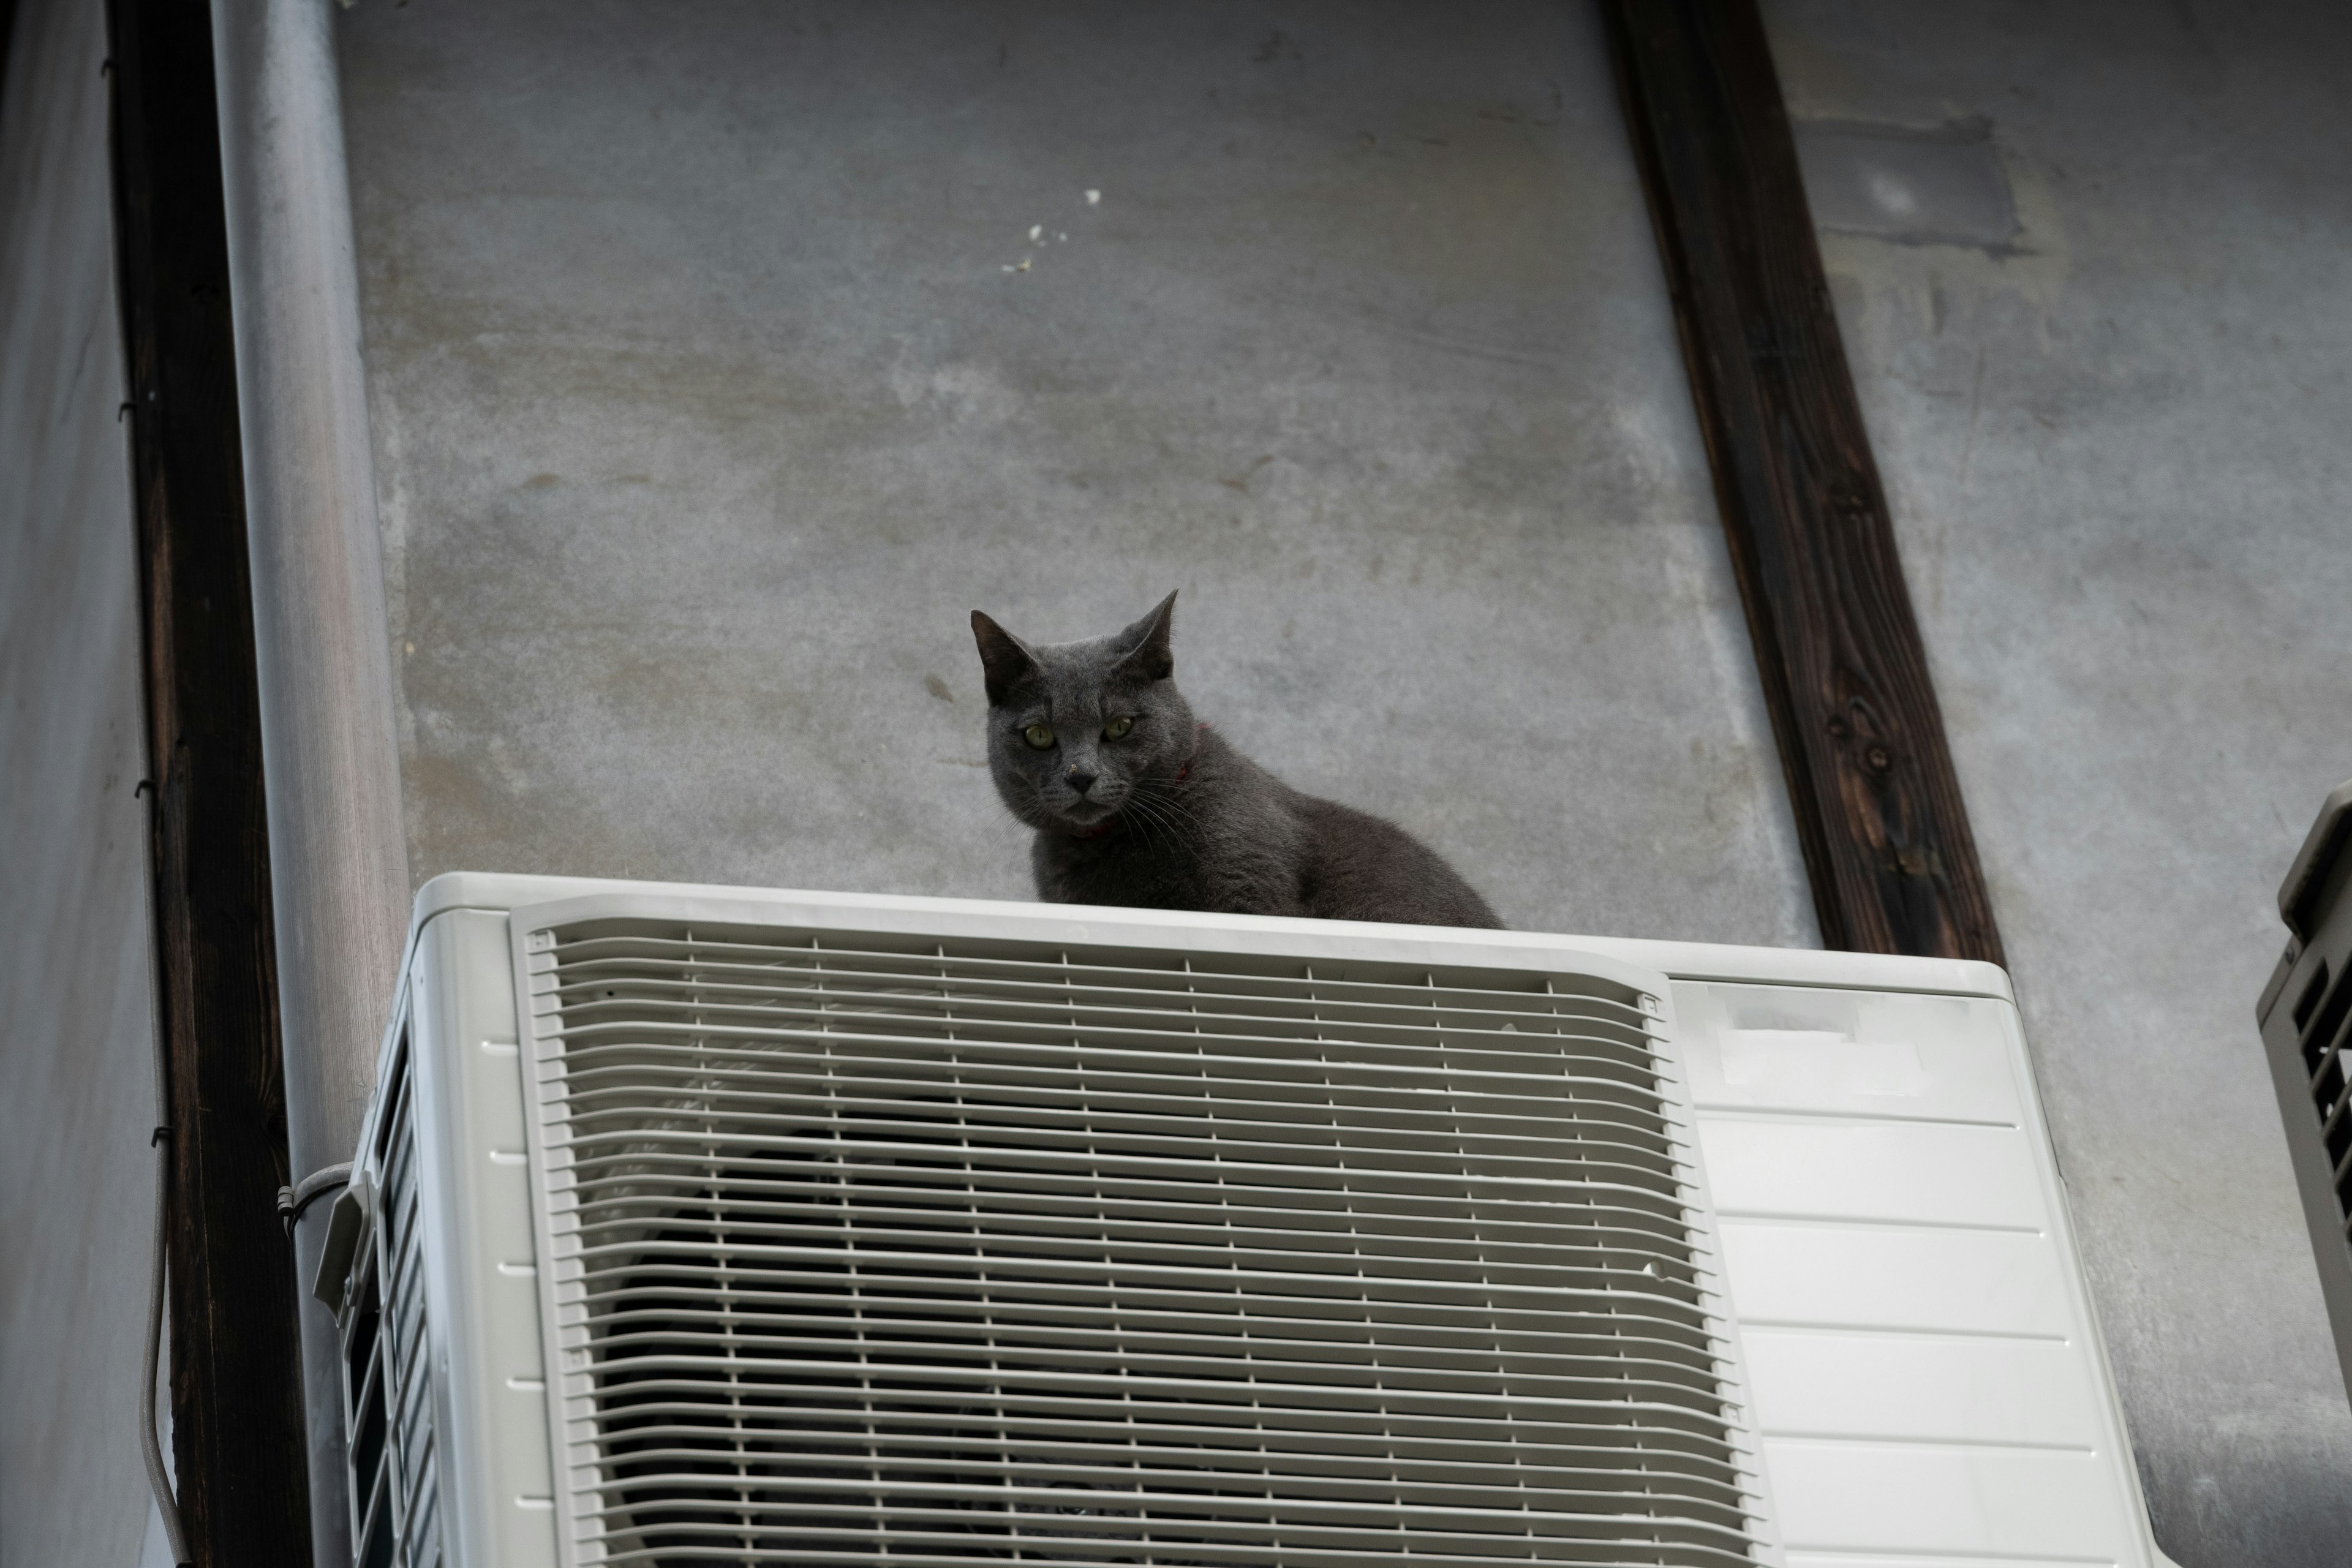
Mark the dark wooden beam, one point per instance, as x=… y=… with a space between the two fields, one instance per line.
x=7 y=31
x=237 y=1402
x=1879 y=816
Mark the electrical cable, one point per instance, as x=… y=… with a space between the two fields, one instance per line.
x=293 y=1201
x=150 y=1448
x=159 y=1474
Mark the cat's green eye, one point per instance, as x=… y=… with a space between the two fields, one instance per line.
x=1039 y=736
x=1118 y=727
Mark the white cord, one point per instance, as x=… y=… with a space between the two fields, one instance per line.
x=158 y=1474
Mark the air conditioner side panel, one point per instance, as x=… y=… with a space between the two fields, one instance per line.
x=1927 y=1371
x=497 y=1478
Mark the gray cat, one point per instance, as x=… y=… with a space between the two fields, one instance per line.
x=1134 y=803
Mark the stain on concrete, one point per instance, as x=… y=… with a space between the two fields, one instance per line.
x=1938 y=184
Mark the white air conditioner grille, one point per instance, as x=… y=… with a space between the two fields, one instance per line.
x=388 y=1403
x=867 y=1249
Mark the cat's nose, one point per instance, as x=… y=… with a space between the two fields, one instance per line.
x=1081 y=782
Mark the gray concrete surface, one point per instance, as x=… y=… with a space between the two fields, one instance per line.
x=709 y=392
x=715 y=376
x=2115 y=448
x=76 y=1087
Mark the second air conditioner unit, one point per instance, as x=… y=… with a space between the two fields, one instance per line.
x=2305 y=1018
x=700 y=1225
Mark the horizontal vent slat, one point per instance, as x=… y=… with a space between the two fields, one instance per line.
x=884 y=1320
x=891 y=1225
x=679 y=1145
x=1015 y=1300
x=1606 y=1379
x=1397 y=1113
x=1001 y=1195
x=1066 y=1549
x=1421 y=1059
x=1663 y=1450
x=983 y=1387
x=1061 y=1181
x=841 y=954
x=1150 y=1451
x=962 y=997
x=1133 y=1512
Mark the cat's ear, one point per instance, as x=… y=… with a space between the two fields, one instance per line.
x=1146 y=643
x=1004 y=657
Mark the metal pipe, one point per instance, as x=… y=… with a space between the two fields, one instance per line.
x=338 y=868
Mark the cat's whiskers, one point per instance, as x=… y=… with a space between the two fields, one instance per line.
x=1151 y=816
x=1126 y=812
x=1163 y=799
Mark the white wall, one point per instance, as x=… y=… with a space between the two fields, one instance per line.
x=76 y=1087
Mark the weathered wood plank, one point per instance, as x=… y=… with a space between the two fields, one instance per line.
x=1885 y=833
x=237 y=1402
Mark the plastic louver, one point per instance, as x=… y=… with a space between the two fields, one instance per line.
x=862 y=1248
x=388 y=1433
x=2320 y=1034
x=2305 y=1014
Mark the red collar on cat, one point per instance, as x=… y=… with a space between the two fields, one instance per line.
x=1102 y=829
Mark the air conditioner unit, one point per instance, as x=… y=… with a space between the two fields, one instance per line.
x=2305 y=1016
x=701 y=1225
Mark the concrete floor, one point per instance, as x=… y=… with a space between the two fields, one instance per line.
x=77 y=1050
x=710 y=394
x=2115 y=441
